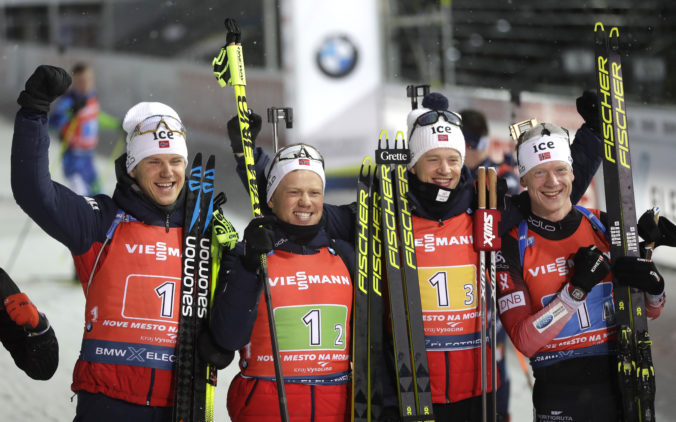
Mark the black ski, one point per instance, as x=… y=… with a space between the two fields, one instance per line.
x=635 y=369
x=194 y=295
x=360 y=325
x=404 y=292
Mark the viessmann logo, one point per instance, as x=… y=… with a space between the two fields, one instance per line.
x=159 y=249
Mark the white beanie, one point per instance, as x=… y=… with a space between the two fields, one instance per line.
x=441 y=134
x=142 y=146
x=543 y=143
x=281 y=167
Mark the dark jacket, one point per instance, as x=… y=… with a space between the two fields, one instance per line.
x=81 y=223
x=238 y=292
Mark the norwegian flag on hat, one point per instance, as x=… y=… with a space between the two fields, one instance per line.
x=442 y=138
x=544 y=156
x=164 y=144
x=303 y=161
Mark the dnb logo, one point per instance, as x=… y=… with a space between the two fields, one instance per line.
x=337 y=56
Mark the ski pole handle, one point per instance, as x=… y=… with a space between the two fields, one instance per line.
x=650 y=247
x=492 y=188
x=481 y=187
x=415 y=91
x=275 y=114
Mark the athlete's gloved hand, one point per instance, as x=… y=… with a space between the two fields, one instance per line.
x=640 y=273
x=587 y=108
x=662 y=233
x=235 y=135
x=43 y=87
x=212 y=352
x=24 y=314
x=591 y=266
x=7 y=286
x=258 y=239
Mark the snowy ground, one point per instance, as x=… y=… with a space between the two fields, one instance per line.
x=43 y=270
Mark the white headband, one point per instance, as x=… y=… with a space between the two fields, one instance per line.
x=541 y=150
x=281 y=168
x=142 y=146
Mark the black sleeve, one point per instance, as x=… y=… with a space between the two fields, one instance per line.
x=586 y=153
x=236 y=302
x=37 y=355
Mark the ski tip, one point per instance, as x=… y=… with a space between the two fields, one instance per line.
x=598 y=26
x=399 y=137
x=384 y=136
x=365 y=169
x=614 y=32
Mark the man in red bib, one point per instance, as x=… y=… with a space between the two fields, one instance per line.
x=555 y=287
x=126 y=249
x=310 y=280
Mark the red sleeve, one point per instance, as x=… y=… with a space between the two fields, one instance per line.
x=517 y=312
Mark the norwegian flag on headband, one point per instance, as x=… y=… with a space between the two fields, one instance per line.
x=164 y=144
x=442 y=138
x=545 y=156
x=303 y=161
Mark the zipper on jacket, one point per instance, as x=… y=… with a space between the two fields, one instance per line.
x=150 y=389
x=166 y=223
x=246 y=401
x=312 y=403
x=448 y=378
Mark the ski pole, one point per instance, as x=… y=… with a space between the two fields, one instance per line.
x=481 y=187
x=275 y=114
x=415 y=91
x=229 y=70
x=493 y=205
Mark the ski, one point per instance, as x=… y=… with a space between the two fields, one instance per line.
x=229 y=70
x=410 y=355
x=375 y=334
x=360 y=311
x=194 y=304
x=635 y=369
x=203 y=282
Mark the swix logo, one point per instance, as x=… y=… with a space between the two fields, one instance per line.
x=545 y=156
x=559 y=265
x=159 y=249
x=442 y=138
x=163 y=144
x=303 y=161
x=503 y=282
x=488 y=230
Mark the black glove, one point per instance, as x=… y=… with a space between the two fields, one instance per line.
x=43 y=87
x=639 y=273
x=212 y=352
x=258 y=239
x=7 y=286
x=587 y=108
x=255 y=122
x=591 y=266
x=662 y=233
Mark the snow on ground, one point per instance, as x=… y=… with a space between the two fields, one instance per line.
x=43 y=269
